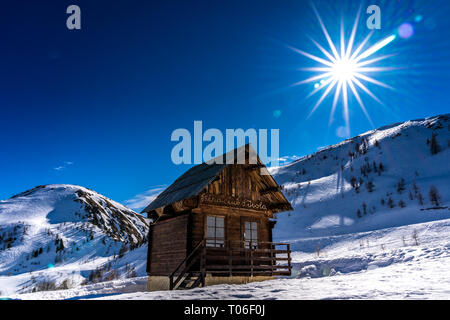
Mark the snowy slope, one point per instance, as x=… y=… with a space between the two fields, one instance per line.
x=381 y=264
x=364 y=226
x=56 y=233
x=376 y=180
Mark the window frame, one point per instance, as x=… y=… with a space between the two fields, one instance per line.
x=257 y=232
x=215 y=242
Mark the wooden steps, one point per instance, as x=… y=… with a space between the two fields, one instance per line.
x=191 y=281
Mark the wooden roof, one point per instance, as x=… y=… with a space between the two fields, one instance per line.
x=196 y=179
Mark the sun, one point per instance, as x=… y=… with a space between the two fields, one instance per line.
x=345 y=71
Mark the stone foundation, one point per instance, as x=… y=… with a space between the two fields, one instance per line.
x=161 y=283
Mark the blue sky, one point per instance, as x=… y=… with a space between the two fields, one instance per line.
x=96 y=107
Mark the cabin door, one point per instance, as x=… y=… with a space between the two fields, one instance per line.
x=250 y=234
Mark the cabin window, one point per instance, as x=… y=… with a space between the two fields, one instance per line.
x=215 y=231
x=251 y=234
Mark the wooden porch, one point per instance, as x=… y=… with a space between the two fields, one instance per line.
x=234 y=258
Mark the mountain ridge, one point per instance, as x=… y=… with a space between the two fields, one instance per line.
x=52 y=233
x=377 y=179
x=58 y=236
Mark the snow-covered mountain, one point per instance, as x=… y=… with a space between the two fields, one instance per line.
x=371 y=220
x=392 y=176
x=63 y=235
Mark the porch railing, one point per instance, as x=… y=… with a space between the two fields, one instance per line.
x=249 y=258
x=234 y=258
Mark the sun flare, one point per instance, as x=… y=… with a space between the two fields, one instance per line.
x=345 y=70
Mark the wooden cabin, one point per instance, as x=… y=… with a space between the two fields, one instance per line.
x=214 y=225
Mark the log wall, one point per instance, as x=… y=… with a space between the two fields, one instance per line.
x=168 y=245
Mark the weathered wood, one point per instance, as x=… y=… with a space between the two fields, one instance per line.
x=168 y=245
x=275 y=206
x=189 y=260
x=149 y=258
x=238 y=194
x=251 y=267
x=254 y=167
x=233 y=202
x=289 y=256
x=270 y=190
x=232 y=264
x=231 y=260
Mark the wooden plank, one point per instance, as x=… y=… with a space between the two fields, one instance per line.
x=250 y=267
x=270 y=190
x=255 y=273
x=168 y=245
x=289 y=257
x=149 y=249
x=261 y=250
x=230 y=261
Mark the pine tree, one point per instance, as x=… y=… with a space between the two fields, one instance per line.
x=391 y=203
x=123 y=250
x=435 y=148
x=353 y=182
x=434 y=196
x=420 y=198
x=401 y=185
x=415 y=188
x=370 y=186
x=377 y=144
x=415 y=236
x=59 y=244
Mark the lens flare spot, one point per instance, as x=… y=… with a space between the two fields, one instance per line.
x=406 y=30
x=277 y=113
x=343 y=132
